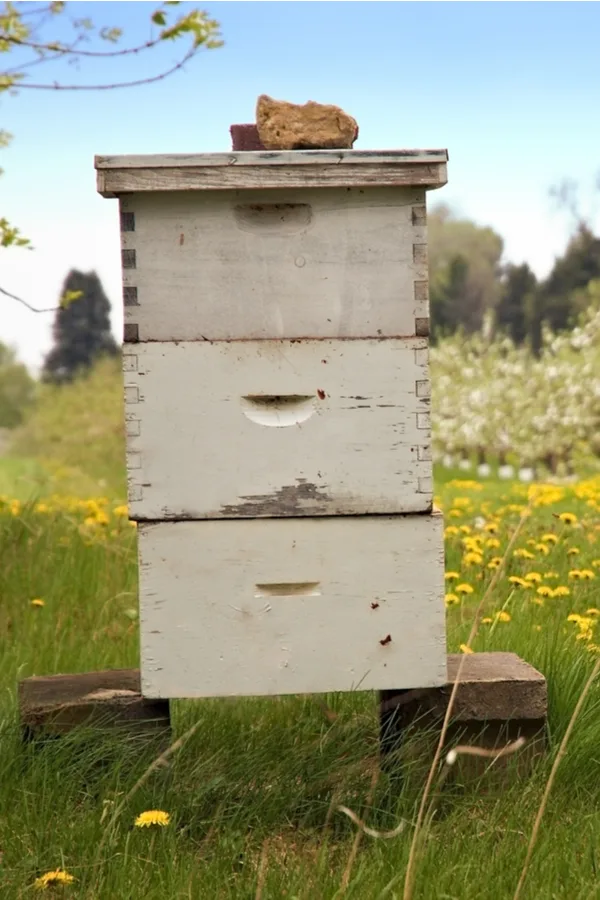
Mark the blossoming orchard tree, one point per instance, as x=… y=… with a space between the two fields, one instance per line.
x=28 y=46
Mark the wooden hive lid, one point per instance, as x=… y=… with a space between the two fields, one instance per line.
x=271 y=169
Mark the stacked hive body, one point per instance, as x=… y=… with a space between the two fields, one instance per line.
x=277 y=416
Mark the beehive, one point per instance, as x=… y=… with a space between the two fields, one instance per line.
x=277 y=418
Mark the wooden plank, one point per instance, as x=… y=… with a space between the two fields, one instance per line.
x=294 y=263
x=56 y=704
x=270 y=158
x=291 y=605
x=113 y=182
x=278 y=428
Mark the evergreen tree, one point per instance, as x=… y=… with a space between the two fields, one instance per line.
x=81 y=328
x=514 y=307
x=573 y=271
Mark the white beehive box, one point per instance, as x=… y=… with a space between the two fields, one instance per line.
x=276 y=376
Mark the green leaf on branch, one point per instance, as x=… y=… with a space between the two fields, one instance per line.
x=159 y=17
x=11 y=236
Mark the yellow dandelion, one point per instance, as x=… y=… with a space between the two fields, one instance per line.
x=52 y=879
x=551 y=575
x=152 y=817
x=549 y=538
x=522 y=553
x=568 y=518
x=133 y=524
x=491 y=527
x=462 y=502
x=575 y=573
x=572 y=551
x=531 y=542
x=452 y=576
x=472 y=559
x=593 y=648
x=464 y=648
x=121 y=511
x=545 y=591
x=454 y=513
x=451 y=599
x=561 y=591
x=516 y=579
x=586 y=574
x=37 y=601
x=592 y=612
x=42 y=508
x=486 y=620
x=450 y=530
x=494 y=562
x=538 y=601
x=533 y=576
x=596 y=563
x=492 y=543
x=543 y=548
x=502 y=616
x=466 y=529
x=463 y=589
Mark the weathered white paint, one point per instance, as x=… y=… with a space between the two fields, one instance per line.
x=270 y=158
x=260 y=264
x=270 y=169
x=208 y=628
x=278 y=428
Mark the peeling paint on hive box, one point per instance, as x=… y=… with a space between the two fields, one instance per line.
x=279 y=428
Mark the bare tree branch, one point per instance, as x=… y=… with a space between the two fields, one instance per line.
x=28 y=305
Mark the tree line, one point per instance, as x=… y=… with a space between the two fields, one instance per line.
x=472 y=290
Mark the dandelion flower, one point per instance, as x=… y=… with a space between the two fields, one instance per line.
x=568 y=518
x=503 y=616
x=535 y=577
x=152 y=817
x=575 y=573
x=486 y=620
x=472 y=558
x=451 y=599
x=586 y=574
x=522 y=553
x=464 y=648
x=494 y=562
x=492 y=543
x=572 y=551
x=592 y=612
x=466 y=529
x=51 y=879
x=452 y=576
x=545 y=591
x=491 y=527
x=455 y=513
x=550 y=575
x=543 y=548
x=516 y=579
x=596 y=563
x=450 y=531
x=463 y=589
x=121 y=511
x=37 y=601
x=561 y=591
x=549 y=538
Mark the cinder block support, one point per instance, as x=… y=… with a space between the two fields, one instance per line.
x=500 y=698
x=57 y=704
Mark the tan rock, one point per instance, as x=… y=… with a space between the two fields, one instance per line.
x=313 y=126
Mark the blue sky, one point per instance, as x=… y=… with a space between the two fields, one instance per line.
x=511 y=89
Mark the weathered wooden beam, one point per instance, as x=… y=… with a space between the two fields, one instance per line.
x=57 y=704
x=500 y=698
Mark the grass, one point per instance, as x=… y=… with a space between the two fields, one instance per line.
x=253 y=794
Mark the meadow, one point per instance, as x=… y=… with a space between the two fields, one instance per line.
x=251 y=799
